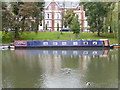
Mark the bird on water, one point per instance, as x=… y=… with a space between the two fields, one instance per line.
x=88 y=83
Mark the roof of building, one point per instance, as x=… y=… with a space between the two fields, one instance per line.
x=66 y=4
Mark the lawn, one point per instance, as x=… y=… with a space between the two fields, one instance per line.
x=64 y=36
x=0 y=37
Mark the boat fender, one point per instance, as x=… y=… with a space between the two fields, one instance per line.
x=9 y=47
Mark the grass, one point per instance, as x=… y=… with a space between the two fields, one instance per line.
x=0 y=37
x=64 y=36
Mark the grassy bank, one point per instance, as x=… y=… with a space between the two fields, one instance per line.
x=64 y=36
x=0 y=37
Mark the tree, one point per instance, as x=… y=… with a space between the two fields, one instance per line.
x=119 y=24
x=75 y=26
x=96 y=13
x=57 y=26
x=112 y=17
x=33 y=12
x=14 y=9
x=46 y=27
x=23 y=14
x=6 y=22
x=68 y=17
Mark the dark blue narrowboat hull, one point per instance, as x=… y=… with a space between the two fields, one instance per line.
x=66 y=48
x=63 y=44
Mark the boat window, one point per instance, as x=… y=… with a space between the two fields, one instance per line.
x=64 y=43
x=55 y=43
x=85 y=43
x=75 y=43
x=45 y=43
x=94 y=43
x=103 y=43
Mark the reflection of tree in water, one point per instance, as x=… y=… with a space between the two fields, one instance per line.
x=22 y=69
x=19 y=71
x=69 y=61
x=118 y=67
x=83 y=62
x=103 y=70
x=0 y=68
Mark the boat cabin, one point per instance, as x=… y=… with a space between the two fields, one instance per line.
x=63 y=43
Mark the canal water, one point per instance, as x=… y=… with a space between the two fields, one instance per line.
x=27 y=68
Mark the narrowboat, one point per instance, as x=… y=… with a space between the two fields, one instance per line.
x=104 y=43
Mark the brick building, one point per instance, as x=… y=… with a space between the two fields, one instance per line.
x=54 y=11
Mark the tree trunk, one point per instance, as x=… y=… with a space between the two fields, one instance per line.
x=23 y=23
x=17 y=27
x=98 y=33
x=16 y=33
x=111 y=30
x=37 y=24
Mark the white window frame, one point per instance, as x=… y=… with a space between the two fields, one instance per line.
x=95 y=43
x=45 y=43
x=55 y=43
x=48 y=23
x=64 y=43
x=85 y=43
x=75 y=43
x=58 y=16
x=48 y=15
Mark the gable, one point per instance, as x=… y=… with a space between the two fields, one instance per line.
x=52 y=4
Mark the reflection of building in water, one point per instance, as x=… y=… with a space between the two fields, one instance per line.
x=83 y=62
x=39 y=68
x=66 y=52
x=50 y=63
x=52 y=59
x=70 y=61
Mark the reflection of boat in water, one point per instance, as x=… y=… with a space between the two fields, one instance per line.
x=6 y=47
x=103 y=43
x=63 y=52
